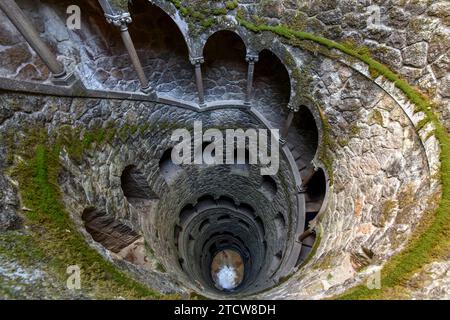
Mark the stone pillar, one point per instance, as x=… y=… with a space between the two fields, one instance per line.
x=309 y=175
x=287 y=125
x=288 y=122
x=121 y=21
x=26 y=28
x=251 y=59
x=197 y=62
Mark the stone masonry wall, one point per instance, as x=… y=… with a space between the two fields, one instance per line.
x=383 y=175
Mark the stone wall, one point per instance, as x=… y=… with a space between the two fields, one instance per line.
x=383 y=167
x=377 y=198
x=411 y=37
x=95 y=182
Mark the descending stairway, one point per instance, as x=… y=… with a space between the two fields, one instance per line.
x=314 y=196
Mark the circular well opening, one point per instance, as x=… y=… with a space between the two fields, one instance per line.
x=227 y=270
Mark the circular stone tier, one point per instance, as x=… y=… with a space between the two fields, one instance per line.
x=358 y=169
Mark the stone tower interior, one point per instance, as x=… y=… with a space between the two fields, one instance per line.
x=88 y=179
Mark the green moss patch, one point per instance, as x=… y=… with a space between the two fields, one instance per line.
x=53 y=237
x=201 y=14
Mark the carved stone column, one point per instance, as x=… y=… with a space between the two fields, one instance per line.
x=26 y=28
x=121 y=21
x=197 y=62
x=288 y=123
x=310 y=172
x=251 y=59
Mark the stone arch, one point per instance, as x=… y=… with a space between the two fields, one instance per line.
x=168 y=169
x=225 y=68
x=315 y=195
x=135 y=186
x=304 y=127
x=106 y=230
x=286 y=58
x=185 y=213
x=311 y=105
x=272 y=81
x=169 y=9
x=269 y=187
x=217 y=32
x=160 y=42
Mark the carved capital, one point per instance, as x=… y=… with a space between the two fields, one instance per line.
x=64 y=79
x=149 y=90
x=197 y=60
x=120 y=20
x=293 y=107
x=252 y=58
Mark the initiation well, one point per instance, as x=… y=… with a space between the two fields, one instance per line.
x=358 y=171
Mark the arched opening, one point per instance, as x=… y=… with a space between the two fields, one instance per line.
x=185 y=213
x=247 y=209
x=107 y=231
x=225 y=68
x=272 y=87
x=314 y=197
x=315 y=194
x=105 y=63
x=162 y=50
x=227 y=250
x=269 y=187
x=168 y=169
x=227 y=202
x=305 y=133
x=280 y=224
x=135 y=187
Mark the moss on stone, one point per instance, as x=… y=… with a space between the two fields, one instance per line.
x=231 y=5
x=373 y=73
x=422 y=123
x=325 y=261
x=219 y=11
x=52 y=235
x=343 y=142
x=8 y=140
x=376 y=117
x=325 y=154
x=196 y=296
x=160 y=268
x=202 y=15
x=386 y=211
x=20 y=247
x=121 y=4
x=208 y=23
x=354 y=130
x=314 y=249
